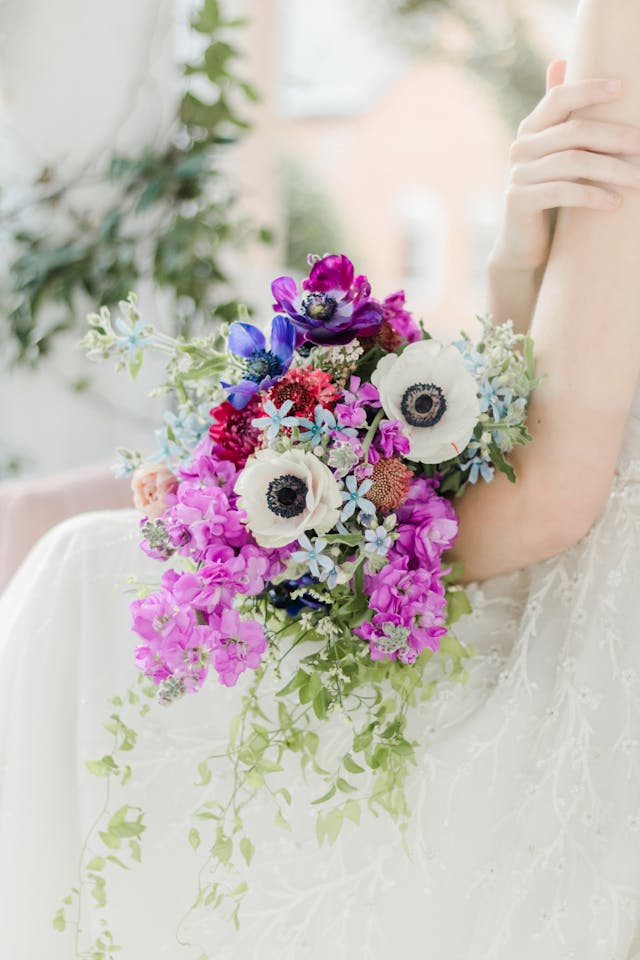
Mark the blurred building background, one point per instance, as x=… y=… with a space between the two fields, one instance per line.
x=376 y=134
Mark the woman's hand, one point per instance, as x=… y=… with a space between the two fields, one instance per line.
x=557 y=161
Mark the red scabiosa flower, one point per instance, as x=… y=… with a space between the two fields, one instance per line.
x=306 y=388
x=334 y=306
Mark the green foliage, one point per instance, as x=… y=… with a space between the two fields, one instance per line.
x=114 y=840
x=171 y=216
x=336 y=683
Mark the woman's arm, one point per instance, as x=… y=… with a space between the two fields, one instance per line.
x=587 y=334
x=551 y=161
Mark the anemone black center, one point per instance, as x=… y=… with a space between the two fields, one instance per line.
x=262 y=364
x=423 y=405
x=287 y=496
x=318 y=306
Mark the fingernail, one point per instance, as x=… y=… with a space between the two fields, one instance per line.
x=613 y=86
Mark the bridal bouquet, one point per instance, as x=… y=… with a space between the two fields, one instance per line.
x=303 y=502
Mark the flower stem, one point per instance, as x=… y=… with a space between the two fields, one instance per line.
x=371 y=432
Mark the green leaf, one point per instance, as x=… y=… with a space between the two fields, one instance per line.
x=216 y=57
x=194 y=838
x=110 y=841
x=333 y=824
x=321 y=703
x=298 y=680
x=529 y=357
x=102 y=768
x=96 y=863
x=311 y=689
x=351 y=766
x=205 y=774
x=458 y=606
x=222 y=849
x=208 y=20
x=351 y=810
x=311 y=742
x=247 y=850
x=345 y=786
x=282 y=821
x=502 y=464
x=326 y=796
x=59 y=921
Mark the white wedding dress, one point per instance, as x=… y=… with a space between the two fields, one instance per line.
x=525 y=844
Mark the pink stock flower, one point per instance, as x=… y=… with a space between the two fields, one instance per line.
x=391 y=440
x=240 y=648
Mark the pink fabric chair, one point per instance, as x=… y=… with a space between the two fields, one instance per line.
x=28 y=508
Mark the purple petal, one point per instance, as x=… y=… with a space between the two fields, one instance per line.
x=284 y=292
x=367 y=318
x=283 y=339
x=245 y=339
x=241 y=393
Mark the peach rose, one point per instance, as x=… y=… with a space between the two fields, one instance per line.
x=150 y=484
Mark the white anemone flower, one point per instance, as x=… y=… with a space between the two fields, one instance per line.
x=430 y=391
x=284 y=494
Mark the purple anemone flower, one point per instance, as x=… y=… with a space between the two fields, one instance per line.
x=263 y=366
x=334 y=306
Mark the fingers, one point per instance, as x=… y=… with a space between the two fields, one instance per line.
x=578 y=165
x=564 y=99
x=525 y=201
x=556 y=74
x=592 y=135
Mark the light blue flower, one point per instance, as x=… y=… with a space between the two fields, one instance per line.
x=186 y=428
x=354 y=497
x=320 y=565
x=478 y=467
x=275 y=418
x=131 y=338
x=475 y=362
x=377 y=541
x=323 y=422
x=495 y=397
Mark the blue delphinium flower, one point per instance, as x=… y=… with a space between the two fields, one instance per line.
x=354 y=497
x=275 y=419
x=262 y=366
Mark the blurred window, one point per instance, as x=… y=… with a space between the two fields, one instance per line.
x=424 y=224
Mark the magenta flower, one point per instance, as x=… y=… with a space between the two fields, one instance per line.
x=399 y=318
x=334 y=306
x=390 y=439
x=427 y=524
x=240 y=648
